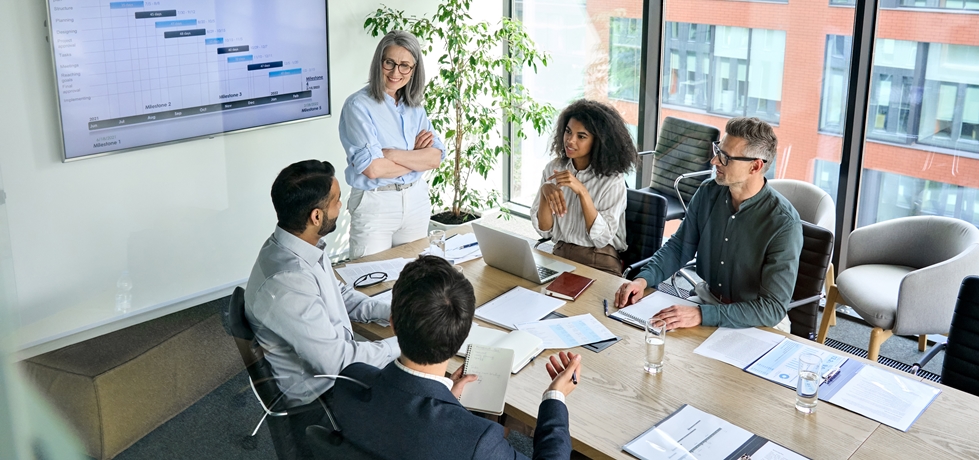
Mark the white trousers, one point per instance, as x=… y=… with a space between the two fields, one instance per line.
x=382 y=220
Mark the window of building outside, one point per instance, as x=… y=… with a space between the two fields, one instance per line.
x=922 y=151
x=936 y=4
x=727 y=70
x=594 y=50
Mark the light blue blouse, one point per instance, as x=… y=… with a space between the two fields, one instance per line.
x=367 y=126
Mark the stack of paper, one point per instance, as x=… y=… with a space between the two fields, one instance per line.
x=459 y=248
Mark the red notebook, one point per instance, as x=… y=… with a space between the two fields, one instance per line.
x=568 y=286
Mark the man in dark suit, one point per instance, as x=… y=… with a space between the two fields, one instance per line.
x=411 y=410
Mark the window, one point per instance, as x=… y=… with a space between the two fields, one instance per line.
x=942 y=4
x=836 y=70
x=950 y=106
x=888 y=196
x=685 y=80
x=625 y=38
x=731 y=71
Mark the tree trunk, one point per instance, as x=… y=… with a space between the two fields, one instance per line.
x=457 y=171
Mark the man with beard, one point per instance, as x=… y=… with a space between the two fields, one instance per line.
x=299 y=311
x=747 y=239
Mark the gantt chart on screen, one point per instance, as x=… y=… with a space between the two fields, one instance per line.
x=137 y=73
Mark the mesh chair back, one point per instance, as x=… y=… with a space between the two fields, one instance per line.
x=683 y=146
x=260 y=373
x=645 y=218
x=817 y=247
x=961 y=366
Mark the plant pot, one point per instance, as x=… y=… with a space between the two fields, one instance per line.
x=434 y=224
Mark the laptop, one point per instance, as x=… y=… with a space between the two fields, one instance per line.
x=514 y=254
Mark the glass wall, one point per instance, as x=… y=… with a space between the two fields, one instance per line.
x=594 y=52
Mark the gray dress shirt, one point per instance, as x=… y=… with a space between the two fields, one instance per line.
x=301 y=316
x=748 y=257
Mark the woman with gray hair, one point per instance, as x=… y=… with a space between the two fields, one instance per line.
x=389 y=144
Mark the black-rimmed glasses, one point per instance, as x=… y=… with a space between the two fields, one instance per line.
x=724 y=158
x=370 y=279
x=404 y=69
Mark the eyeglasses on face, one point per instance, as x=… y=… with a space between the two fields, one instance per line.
x=404 y=69
x=370 y=279
x=724 y=158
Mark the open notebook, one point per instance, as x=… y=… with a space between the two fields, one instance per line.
x=492 y=367
x=525 y=346
x=645 y=308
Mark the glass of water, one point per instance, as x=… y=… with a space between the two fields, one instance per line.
x=436 y=238
x=655 y=345
x=806 y=392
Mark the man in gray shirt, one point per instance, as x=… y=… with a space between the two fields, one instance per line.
x=298 y=309
x=746 y=237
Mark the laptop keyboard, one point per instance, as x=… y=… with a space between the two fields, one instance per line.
x=544 y=272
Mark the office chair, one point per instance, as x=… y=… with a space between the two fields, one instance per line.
x=328 y=444
x=813 y=204
x=645 y=218
x=263 y=383
x=961 y=366
x=817 y=249
x=901 y=276
x=683 y=152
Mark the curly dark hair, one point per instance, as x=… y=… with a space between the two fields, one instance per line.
x=612 y=149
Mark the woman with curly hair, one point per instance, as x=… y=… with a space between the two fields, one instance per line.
x=582 y=197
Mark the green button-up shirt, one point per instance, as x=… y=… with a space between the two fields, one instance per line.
x=748 y=257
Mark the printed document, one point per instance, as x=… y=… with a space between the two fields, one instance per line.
x=517 y=306
x=781 y=365
x=886 y=397
x=689 y=434
x=459 y=248
x=568 y=332
x=738 y=347
x=392 y=267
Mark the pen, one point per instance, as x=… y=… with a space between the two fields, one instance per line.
x=605 y=304
x=467 y=245
x=574 y=377
x=828 y=378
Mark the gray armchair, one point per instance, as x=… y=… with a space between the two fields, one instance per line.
x=902 y=276
x=814 y=205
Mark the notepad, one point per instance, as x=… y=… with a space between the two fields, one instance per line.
x=645 y=308
x=491 y=365
x=525 y=345
x=517 y=306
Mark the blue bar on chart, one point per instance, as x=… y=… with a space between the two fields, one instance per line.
x=121 y=5
x=214 y=41
x=177 y=23
x=233 y=49
x=232 y=59
x=282 y=73
x=265 y=65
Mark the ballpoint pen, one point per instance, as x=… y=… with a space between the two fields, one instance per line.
x=467 y=245
x=828 y=378
x=574 y=377
x=605 y=304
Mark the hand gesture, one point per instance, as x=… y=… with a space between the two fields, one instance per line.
x=424 y=140
x=561 y=367
x=554 y=198
x=630 y=293
x=459 y=381
x=566 y=179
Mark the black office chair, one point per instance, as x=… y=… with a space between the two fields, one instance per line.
x=328 y=444
x=645 y=219
x=817 y=250
x=683 y=153
x=263 y=382
x=961 y=366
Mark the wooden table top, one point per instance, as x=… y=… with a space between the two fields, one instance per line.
x=616 y=400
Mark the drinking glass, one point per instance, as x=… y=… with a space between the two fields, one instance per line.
x=436 y=238
x=655 y=345
x=806 y=392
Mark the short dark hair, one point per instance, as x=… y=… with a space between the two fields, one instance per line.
x=298 y=190
x=612 y=149
x=432 y=308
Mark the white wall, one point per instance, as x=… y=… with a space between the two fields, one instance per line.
x=186 y=219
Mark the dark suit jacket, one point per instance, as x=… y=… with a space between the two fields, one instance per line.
x=407 y=417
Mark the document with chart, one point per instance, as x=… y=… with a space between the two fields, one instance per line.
x=692 y=434
x=137 y=73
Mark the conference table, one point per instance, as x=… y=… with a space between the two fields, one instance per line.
x=616 y=401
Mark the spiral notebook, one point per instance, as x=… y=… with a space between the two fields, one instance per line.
x=492 y=368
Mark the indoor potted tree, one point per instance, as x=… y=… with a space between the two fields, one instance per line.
x=471 y=99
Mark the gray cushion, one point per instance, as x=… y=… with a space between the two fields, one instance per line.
x=872 y=291
x=812 y=203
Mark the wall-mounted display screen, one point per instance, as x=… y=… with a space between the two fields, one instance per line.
x=133 y=74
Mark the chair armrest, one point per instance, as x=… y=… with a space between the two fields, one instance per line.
x=926 y=300
x=685 y=275
x=801 y=302
x=632 y=270
x=676 y=184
